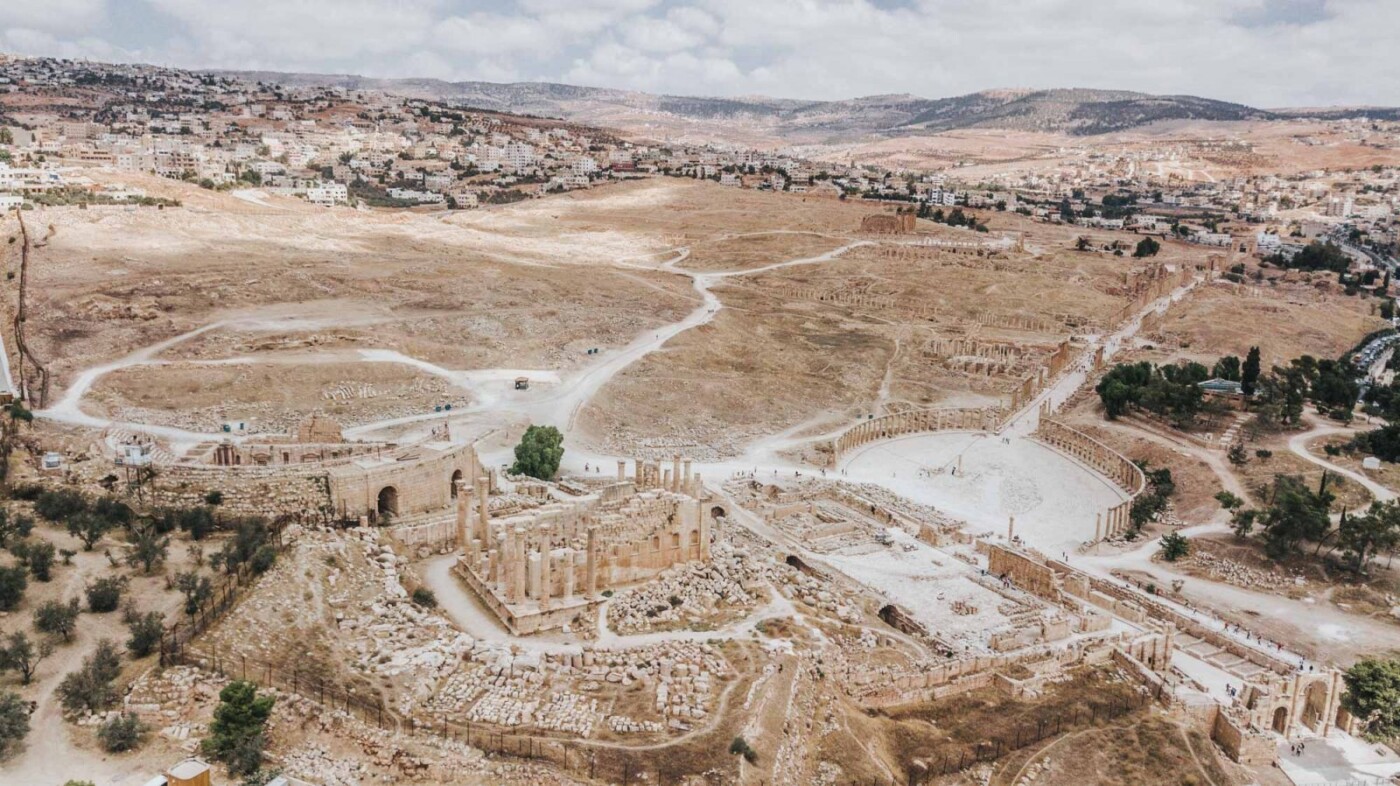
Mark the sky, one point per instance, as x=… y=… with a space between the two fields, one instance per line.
x=1266 y=53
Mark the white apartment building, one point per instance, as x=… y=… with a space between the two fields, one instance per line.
x=328 y=194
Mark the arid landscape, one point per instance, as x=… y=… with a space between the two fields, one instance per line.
x=368 y=430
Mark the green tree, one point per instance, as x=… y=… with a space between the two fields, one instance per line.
x=57 y=618
x=1296 y=514
x=88 y=527
x=1249 y=375
x=197 y=590
x=19 y=654
x=1228 y=501
x=13 y=581
x=90 y=687
x=236 y=735
x=146 y=631
x=14 y=721
x=59 y=505
x=539 y=452
x=148 y=547
x=1227 y=367
x=1147 y=247
x=1175 y=546
x=1360 y=537
x=39 y=557
x=1373 y=695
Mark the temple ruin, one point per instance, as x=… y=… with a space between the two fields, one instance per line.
x=547 y=568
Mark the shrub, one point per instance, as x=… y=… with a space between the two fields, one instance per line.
x=39 y=557
x=740 y=746
x=215 y=497
x=105 y=594
x=122 y=733
x=425 y=597
x=263 y=558
x=59 y=505
x=146 y=630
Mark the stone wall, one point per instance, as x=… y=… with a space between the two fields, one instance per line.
x=260 y=491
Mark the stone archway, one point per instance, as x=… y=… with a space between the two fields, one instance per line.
x=1316 y=698
x=718 y=512
x=1280 y=723
x=388 y=501
x=453 y=481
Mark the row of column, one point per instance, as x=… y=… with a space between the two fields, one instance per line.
x=504 y=559
x=915 y=422
x=1115 y=521
x=678 y=479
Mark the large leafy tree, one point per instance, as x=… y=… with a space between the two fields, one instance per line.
x=1373 y=695
x=539 y=452
x=236 y=736
x=14 y=720
x=1297 y=514
x=1362 y=536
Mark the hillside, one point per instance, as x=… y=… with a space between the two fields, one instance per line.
x=1076 y=111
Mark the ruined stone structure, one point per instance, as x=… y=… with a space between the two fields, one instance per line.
x=1149 y=291
x=901 y=222
x=403 y=481
x=1033 y=383
x=1104 y=460
x=545 y=568
x=284 y=474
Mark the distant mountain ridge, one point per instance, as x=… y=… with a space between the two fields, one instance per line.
x=1076 y=111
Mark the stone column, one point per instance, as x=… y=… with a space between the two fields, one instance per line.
x=483 y=490
x=686 y=484
x=1011 y=529
x=621 y=471
x=676 y=473
x=570 y=562
x=521 y=561
x=591 y=567
x=546 y=578
x=534 y=572
x=464 y=534
x=704 y=519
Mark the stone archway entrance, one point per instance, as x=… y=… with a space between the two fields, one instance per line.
x=388 y=501
x=453 y=481
x=1280 y=724
x=1316 y=699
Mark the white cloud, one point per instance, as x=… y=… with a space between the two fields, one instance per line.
x=1263 y=52
x=52 y=16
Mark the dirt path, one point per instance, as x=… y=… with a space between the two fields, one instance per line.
x=1298 y=444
